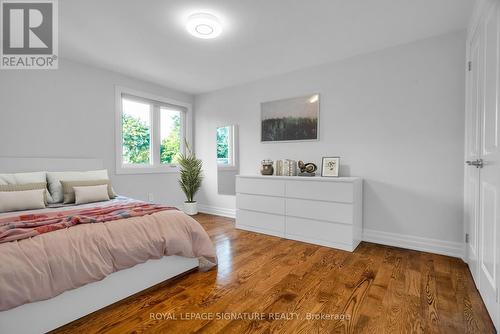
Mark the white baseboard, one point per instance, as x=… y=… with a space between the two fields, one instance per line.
x=449 y=248
x=218 y=211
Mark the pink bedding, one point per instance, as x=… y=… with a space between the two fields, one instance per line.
x=46 y=265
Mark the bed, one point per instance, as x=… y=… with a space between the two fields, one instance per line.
x=98 y=264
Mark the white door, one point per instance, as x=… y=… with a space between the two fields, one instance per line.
x=473 y=151
x=482 y=175
x=489 y=181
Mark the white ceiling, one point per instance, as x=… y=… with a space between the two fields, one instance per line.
x=147 y=39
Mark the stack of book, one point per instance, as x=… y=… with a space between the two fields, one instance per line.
x=285 y=167
x=278 y=167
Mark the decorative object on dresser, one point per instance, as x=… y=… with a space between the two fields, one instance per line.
x=266 y=167
x=278 y=168
x=307 y=169
x=323 y=211
x=191 y=178
x=330 y=166
x=289 y=168
x=294 y=119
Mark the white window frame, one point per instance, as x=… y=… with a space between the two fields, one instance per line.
x=233 y=148
x=156 y=166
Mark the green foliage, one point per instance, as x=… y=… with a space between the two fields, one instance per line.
x=222 y=142
x=190 y=174
x=170 y=146
x=136 y=139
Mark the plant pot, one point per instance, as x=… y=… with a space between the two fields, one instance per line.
x=190 y=208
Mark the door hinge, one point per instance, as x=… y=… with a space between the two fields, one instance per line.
x=466 y=238
x=469 y=66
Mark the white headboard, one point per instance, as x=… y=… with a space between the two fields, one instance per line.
x=19 y=165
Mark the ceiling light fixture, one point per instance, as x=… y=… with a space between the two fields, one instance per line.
x=314 y=98
x=204 y=25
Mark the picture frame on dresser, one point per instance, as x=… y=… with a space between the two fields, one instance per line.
x=330 y=166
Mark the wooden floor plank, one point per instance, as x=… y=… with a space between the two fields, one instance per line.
x=380 y=289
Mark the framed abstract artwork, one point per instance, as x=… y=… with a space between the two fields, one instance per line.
x=293 y=119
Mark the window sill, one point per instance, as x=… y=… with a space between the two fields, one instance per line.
x=171 y=169
x=227 y=168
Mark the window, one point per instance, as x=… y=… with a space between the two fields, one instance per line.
x=170 y=135
x=136 y=132
x=226 y=157
x=150 y=132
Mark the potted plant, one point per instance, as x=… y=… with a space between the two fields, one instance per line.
x=190 y=179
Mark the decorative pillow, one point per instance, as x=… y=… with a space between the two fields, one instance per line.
x=22 y=200
x=54 y=181
x=91 y=194
x=25 y=178
x=69 y=192
x=27 y=186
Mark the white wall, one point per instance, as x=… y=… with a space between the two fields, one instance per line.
x=396 y=117
x=69 y=112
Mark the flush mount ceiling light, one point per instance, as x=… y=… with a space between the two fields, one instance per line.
x=204 y=25
x=314 y=98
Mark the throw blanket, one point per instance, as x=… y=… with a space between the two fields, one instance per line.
x=29 y=225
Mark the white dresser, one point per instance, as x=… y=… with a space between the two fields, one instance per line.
x=318 y=210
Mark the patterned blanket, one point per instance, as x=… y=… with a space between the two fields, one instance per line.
x=29 y=225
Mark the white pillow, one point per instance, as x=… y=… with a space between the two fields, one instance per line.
x=24 y=178
x=91 y=194
x=55 y=186
x=22 y=200
x=21 y=178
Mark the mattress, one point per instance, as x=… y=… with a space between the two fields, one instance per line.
x=48 y=264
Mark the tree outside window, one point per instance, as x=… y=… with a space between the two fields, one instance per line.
x=223 y=145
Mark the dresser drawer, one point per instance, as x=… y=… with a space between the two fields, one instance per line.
x=260 y=222
x=328 y=211
x=314 y=230
x=260 y=186
x=323 y=191
x=275 y=205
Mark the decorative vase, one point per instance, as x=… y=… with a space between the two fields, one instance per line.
x=267 y=167
x=190 y=208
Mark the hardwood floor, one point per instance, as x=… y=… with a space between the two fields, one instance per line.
x=261 y=280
